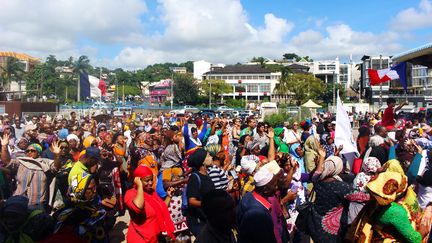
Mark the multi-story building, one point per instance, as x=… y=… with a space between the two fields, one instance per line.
x=28 y=61
x=160 y=91
x=251 y=82
x=333 y=70
x=377 y=94
x=419 y=78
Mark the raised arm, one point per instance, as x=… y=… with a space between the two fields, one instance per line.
x=5 y=156
x=272 y=150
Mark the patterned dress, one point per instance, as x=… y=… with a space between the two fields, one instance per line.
x=330 y=212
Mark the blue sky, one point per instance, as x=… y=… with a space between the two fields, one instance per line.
x=134 y=33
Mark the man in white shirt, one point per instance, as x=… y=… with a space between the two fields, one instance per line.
x=19 y=128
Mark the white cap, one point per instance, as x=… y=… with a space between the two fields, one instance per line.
x=273 y=167
x=248 y=163
x=263 y=177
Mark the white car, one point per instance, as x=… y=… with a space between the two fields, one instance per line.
x=189 y=108
x=224 y=108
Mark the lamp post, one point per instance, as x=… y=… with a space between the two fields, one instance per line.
x=334 y=89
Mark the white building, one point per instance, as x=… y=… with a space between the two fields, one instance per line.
x=329 y=70
x=201 y=67
x=251 y=82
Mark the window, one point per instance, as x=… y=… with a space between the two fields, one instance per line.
x=267 y=77
x=322 y=67
x=331 y=67
x=265 y=88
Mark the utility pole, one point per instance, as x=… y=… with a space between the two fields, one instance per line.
x=334 y=89
x=172 y=89
x=210 y=94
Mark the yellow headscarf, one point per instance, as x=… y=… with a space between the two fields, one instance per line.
x=88 y=141
x=387 y=186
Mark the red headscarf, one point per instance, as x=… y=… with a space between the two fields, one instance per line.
x=163 y=218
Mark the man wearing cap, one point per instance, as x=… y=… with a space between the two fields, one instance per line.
x=254 y=219
x=87 y=163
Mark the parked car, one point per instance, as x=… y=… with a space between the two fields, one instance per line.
x=189 y=108
x=120 y=111
x=210 y=113
x=224 y=108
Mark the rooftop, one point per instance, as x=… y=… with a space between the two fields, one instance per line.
x=421 y=55
x=20 y=56
x=232 y=69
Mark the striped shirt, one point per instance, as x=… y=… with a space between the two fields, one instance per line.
x=219 y=177
x=33 y=177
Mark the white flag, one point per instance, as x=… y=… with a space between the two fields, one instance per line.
x=343 y=133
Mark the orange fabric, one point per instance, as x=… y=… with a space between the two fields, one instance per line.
x=150 y=162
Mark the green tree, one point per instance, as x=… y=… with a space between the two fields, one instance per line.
x=13 y=70
x=218 y=87
x=185 y=89
x=300 y=86
x=260 y=60
x=82 y=65
x=291 y=56
x=327 y=95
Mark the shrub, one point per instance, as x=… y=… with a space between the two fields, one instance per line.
x=277 y=119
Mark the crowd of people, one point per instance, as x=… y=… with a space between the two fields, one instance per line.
x=193 y=178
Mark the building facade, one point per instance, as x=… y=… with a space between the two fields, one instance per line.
x=29 y=64
x=250 y=82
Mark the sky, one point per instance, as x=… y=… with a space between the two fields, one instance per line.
x=133 y=34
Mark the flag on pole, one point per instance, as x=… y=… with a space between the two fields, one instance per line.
x=343 y=133
x=91 y=87
x=392 y=73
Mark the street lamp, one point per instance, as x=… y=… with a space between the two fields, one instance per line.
x=171 y=86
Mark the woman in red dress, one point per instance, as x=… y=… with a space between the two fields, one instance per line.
x=150 y=218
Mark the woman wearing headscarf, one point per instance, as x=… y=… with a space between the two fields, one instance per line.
x=198 y=185
x=369 y=168
x=173 y=177
x=384 y=219
x=82 y=217
x=332 y=196
x=149 y=214
x=279 y=136
x=363 y=139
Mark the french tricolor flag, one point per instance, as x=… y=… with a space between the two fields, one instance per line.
x=91 y=87
x=384 y=75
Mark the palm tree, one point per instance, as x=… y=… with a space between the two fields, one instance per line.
x=14 y=69
x=82 y=65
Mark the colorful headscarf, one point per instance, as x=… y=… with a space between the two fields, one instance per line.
x=371 y=165
x=333 y=166
x=88 y=141
x=36 y=146
x=387 y=186
x=213 y=149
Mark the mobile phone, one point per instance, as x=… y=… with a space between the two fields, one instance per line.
x=294 y=188
x=234 y=174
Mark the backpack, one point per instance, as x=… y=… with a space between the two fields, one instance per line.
x=185 y=201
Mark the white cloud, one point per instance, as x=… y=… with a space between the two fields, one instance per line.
x=46 y=26
x=219 y=31
x=340 y=40
x=414 y=18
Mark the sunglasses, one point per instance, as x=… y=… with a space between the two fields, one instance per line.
x=102 y=130
x=31 y=151
x=295 y=125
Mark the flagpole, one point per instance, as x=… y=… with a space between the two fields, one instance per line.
x=79 y=90
x=380 y=98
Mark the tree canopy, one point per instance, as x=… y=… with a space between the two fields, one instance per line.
x=300 y=86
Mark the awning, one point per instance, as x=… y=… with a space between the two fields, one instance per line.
x=311 y=104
